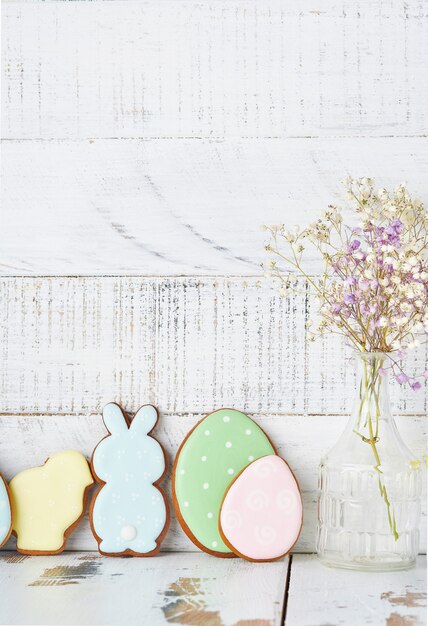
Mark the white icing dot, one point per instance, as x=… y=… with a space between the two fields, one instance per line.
x=214 y=544
x=251 y=458
x=209 y=515
x=207 y=432
x=203 y=458
x=230 y=471
x=205 y=485
x=228 y=444
x=226 y=418
x=186 y=504
x=248 y=431
x=182 y=472
x=128 y=533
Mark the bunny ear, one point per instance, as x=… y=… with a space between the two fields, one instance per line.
x=145 y=418
x=114 y=419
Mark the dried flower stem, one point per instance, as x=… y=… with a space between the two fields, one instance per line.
x=374 y=285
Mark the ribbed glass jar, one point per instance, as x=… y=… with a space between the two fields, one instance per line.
x=369 y=485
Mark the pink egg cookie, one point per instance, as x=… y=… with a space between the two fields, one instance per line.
x=261 y=515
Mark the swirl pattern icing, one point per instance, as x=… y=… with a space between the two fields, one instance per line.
x=267 y=497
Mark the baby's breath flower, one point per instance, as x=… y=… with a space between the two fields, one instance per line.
x=374 y=286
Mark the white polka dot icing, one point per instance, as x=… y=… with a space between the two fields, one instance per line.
x=129 y=512
x=266 y=496
x=226 y=451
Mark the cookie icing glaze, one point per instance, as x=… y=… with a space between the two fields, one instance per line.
x=217 y=449
x=48 y=501
x=129 y=513
x=5 y=513
x=261 y=515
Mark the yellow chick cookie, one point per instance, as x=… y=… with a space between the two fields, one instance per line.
x=49 y=501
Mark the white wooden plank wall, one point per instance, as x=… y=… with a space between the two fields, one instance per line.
x=155 y=137
x=246 y=68
x=186 y=345
x=190 y=344
x=149 y=140
x=177 y=206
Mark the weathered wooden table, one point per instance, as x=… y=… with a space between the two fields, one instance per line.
x=195 y=589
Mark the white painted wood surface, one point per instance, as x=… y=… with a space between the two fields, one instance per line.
x=191 y=589
x=213 y=69
x=88 y=589
x=320 y=596
x=177 y=206
x=189 y=345
x=27 y=440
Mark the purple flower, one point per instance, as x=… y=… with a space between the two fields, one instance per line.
x=416 y=385
x=364 y=284
x=354 y=245
x=397 y=225
x=383 y=371
x=401 y=378
x=350 y=281
x=350 y=298
x=336 y=308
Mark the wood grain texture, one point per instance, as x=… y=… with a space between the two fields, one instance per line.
x=188 y=345
x=214 y=69
x=27 y=440
x=90 y=590
x=332 y=596
x=169 y=207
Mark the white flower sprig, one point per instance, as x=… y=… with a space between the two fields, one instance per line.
x=374 y=288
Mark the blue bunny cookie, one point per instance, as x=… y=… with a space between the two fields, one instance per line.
x=5 y=512
x=129 y=513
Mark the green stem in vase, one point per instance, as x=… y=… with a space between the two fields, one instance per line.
x=369 y=392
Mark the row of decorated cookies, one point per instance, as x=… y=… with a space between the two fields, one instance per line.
x=232 y=493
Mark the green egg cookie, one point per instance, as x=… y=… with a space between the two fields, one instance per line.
x=210 y=457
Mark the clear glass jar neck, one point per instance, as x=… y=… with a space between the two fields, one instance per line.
x=372 y=387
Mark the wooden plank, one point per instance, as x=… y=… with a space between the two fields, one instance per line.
x=27 y=440
x=320 y=596
x=70 y=345
x=88 y=589
x=214 y=69
x=177 y=206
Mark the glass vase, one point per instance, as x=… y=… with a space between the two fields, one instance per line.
x=369 y=484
